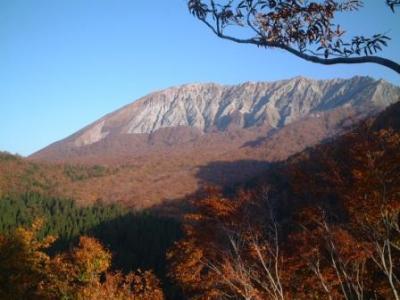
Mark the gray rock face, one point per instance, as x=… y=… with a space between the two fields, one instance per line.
x=213 y=107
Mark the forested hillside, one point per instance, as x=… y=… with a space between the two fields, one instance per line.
x=323 y=225
x=80 y=182
x=135 y=240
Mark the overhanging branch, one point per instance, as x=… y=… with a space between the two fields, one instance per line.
x=345 y=60
x=312 y=58
x=304 y=29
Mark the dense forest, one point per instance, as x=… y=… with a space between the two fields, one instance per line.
x=322 y=225
x=81 y=272
x=136 y=240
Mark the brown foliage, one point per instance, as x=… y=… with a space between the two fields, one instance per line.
x=226 y=252
x=336 y=234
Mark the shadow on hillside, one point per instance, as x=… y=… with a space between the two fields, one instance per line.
x=141 y=240
x=136 y=241
x=225 y=174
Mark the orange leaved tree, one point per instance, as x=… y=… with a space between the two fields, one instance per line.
x=28 y=272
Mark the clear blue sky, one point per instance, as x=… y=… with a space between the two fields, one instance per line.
x=65 y=63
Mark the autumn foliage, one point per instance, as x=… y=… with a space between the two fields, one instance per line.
x=323 y=225
x=28 y=272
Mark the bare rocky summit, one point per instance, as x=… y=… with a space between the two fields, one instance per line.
x=212 y=107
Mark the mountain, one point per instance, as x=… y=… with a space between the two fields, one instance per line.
x=169 y=143
x=184 y=113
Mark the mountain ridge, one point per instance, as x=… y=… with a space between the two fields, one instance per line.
x=211 y=107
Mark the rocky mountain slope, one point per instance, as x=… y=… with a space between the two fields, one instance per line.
x=171 y=142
